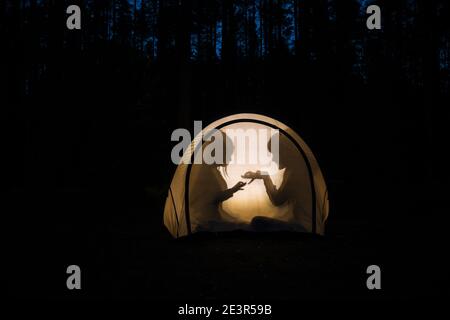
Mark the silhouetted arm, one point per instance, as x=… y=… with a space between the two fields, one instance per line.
x=277 y=196
x=227 y=194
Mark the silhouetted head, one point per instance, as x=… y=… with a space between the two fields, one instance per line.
x=223 y=158
x=286 y=151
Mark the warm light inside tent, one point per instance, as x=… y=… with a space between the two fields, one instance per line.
x=253 y=200
x=301 y=200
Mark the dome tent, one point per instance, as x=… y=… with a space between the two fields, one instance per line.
x=309 y=208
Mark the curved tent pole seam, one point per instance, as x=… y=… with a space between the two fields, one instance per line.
x=186 y=198
x=175 y=208
x=325 y=196
x=308 y=166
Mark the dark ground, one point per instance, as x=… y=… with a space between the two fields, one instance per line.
x=139 y=259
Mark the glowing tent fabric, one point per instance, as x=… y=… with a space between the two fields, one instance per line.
x=300 y=205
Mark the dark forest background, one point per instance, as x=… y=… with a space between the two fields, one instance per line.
x=87 y=117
